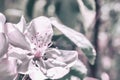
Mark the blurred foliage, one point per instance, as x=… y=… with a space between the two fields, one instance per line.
x=90 y=4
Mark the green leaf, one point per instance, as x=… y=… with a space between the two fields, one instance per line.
x=79 y=70
x=90 y=53
x=30 y=7
x=67 y=11
x=90 y=4
x=79 y=39
x=88 y=16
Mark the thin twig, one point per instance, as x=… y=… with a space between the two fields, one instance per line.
x=94 y=68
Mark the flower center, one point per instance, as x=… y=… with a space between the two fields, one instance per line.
x=37 y=55
x=39 y=40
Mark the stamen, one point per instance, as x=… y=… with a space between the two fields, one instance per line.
x=45 y=44
x=34 y=48
x=39 y=46
x=32 y=38
x=50 y=44
x=37 y=33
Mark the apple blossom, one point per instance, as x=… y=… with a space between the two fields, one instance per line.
x=31 y=45
x=8 y=65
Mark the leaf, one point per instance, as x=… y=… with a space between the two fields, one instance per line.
x=90 y=4
x=21 y=25
x=67 y=11
x=79 y=39
x=88 y=15
x=78 y=71
x=30 y=8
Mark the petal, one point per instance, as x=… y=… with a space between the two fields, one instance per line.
x=23 y=67
x=57 y=72
x=42 y=24
x=30 y=32
x=41 y=66
x=35 y=73
x=3 y=44
x=50 y=58
x=16 y=38
x=44 y=28
x=2 y=18
x=21 y=55
x=41 y=29
x=51 y=63
x=2 y=22
x=21 y=25
x=18 y=53
x=55 y=57
x=31 y=29
x=8 y=69
x=52 y=53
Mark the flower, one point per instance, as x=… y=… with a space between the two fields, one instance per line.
x=31 y=45
x=3 y=39
x=8 y=66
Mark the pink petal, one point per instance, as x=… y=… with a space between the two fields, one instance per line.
x=8 y=69
x=21 y=25
x=30 y=31
x=51 y=63
x=2 y=18
x=23 y=67
x=2 y=22
x=42 y=24
x=61 y=58
x=19 y=53
x=16 y=38
x=44 y=28
x=57 y=72
x=35 y=73
x=23 y=58
x=3 y=44
x=41 y=29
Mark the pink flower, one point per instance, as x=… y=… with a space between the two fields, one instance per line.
x=30 y=44
x=8 y=66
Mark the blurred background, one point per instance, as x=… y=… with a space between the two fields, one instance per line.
x=98 y=20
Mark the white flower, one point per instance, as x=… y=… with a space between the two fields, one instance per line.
x=3 y=39
x=8 y=66
x=31 y=46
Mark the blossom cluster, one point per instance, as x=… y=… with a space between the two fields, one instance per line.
x=25 y=48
